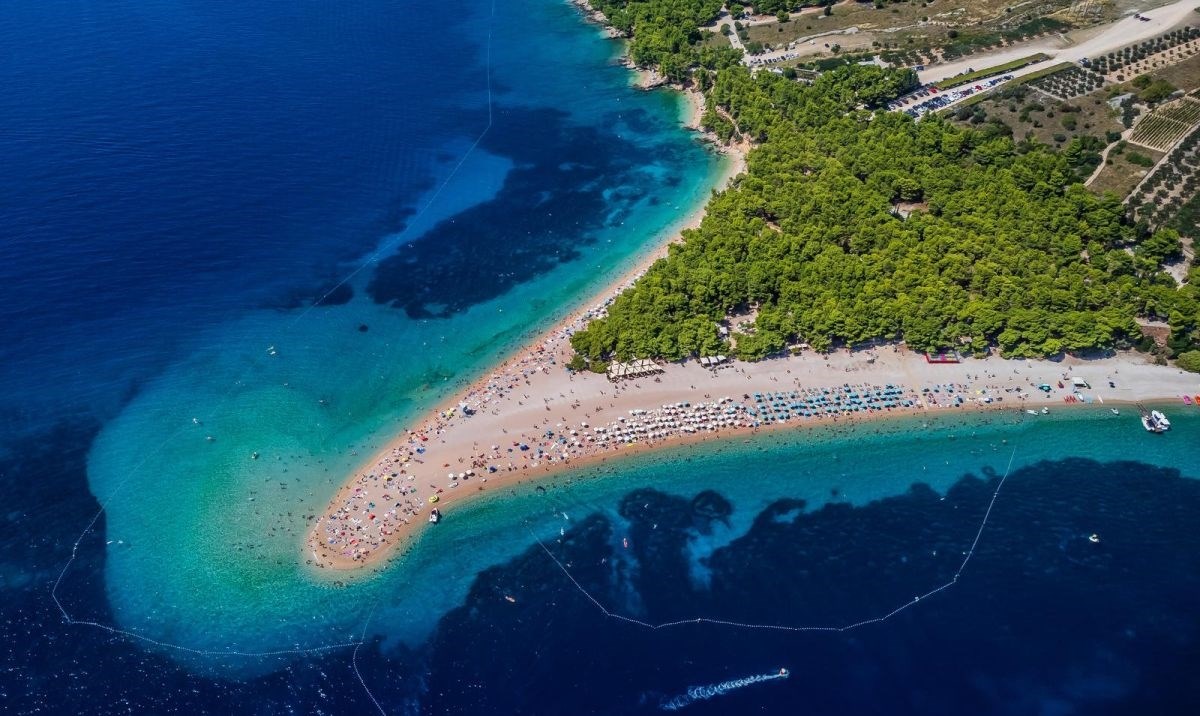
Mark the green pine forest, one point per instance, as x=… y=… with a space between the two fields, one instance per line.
x=853 y=224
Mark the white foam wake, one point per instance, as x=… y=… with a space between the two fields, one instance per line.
x=704 y=693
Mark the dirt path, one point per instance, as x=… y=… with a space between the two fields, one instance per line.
x=1104 y=157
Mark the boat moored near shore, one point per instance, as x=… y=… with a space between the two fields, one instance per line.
x=1154 y=421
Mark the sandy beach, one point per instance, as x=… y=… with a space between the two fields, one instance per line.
x=532 y=417
x=542 y=357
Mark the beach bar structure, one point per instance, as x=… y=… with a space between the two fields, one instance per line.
x=634 y=369
x=943 y=357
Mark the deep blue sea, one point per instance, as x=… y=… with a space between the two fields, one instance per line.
x=288 y=226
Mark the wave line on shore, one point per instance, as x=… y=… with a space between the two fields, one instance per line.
x=784 y=627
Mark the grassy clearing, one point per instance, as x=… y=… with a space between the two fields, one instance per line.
x=914 y=27
x=1184 y=75
x=963 y=79
x=1120 y=175
x=1033 y=115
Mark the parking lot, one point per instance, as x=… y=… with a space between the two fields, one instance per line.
x=928 y=98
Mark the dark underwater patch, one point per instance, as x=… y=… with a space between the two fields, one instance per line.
x=568 y=181
x=1041 y=620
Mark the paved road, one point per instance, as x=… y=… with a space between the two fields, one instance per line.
x=1060 y=48
x=1119 y=34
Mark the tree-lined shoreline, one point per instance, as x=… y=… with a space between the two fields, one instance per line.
x=855 y=224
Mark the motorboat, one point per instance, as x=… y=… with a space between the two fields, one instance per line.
x=1161 y=419
x=435 y=516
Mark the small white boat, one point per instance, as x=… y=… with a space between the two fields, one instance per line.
x=1094 y=539
x=435 y=516
x=1032 y=412
x=1114 y=411
x=1161 y=419
x=1045 y=410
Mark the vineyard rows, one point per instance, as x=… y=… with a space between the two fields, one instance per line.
x=1186 y=110
x=1158 y=133
x=1167 y=124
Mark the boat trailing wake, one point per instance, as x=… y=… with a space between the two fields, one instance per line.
x=704 y=693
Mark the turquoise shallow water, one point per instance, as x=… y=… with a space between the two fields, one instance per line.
x=184 y=179
x=854 y=466
x=205 y=543
x=1077 y=597
x=269 y=601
